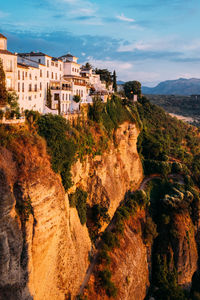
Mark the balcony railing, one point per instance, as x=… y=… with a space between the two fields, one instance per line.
x=58 y=88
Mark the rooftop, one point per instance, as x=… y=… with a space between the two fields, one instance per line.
x=33 y=54
x=6 y=52
x=2 y=36
x=67 y=55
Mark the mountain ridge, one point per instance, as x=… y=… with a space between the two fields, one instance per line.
x=181 y=86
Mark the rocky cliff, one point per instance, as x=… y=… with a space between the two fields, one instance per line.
x=46 y=255
x=108 y=177
x=43 y=246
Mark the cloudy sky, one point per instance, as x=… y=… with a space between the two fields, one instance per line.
x=146 y=40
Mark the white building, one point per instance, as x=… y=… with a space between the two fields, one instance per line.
x=33 y=74
x=72 y=76
x=9 y=60
x=97 y=87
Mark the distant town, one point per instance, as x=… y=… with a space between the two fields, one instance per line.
x=49 y=84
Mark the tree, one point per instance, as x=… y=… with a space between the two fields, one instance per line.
x=132 y=88
x=87 y=66
x=105 y=75
x=114 y=81
x=49 y=98
x=77 y=98
x=3 y=91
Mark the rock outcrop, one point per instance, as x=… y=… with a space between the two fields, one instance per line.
x=108 y=177
x=46 y=256
x=184 y=248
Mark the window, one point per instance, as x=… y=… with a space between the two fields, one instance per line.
x=40 y=86
x=35 y=77
x=52 y=75
x=18 y=75
x=72 y=69
x=30 y=76
x=56 y=97
x=62 y=107
x=56 y=76
x=26 y=74
x=60 y=67
x=29 y=98
x=18 y=86
x=39 y=60
x=66 y=96
x=23 y=87
x=23 y=75
x=63 y=97
x=52 y=63
x=30 y=87
x=47 y=63
x=35 y=87
x=40 y=73
x=81 y=93
x=47 y=74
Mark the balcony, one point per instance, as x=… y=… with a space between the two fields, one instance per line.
x=63 y=88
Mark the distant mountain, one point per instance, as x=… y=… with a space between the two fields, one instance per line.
x=180 y=86
x=120 y=82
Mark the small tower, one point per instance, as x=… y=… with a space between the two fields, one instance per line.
x=3 y=42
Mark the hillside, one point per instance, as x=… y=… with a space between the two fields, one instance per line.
x=180 y=105
x=180 y=86
x=74 y=199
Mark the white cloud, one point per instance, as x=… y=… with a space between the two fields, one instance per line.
x=125 y=19
x=110 y=64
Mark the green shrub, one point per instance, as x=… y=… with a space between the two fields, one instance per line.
x=77 y=98
x=150 y=231
x=103 y=257
x=110 y=240
x=24 y=208
x=78 y=200
x=106 y=283
x=62 y=149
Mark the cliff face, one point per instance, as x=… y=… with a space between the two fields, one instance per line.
x=43 y=247
x=184 y=248
x=45 y=257
x=129 y=266
x=108 y=177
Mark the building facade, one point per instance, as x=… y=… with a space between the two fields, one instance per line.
x=35 y=75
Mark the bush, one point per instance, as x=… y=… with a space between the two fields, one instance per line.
x=62 y=149
x=156 y=167
x=150 y=231
x=78 y=200
x=103 y=257
x=110 y=240
x=1 y=114
x=106 y=283
x=77 y=98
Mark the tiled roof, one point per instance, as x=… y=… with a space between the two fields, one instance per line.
x=34 y=54
x=6 y=52
x=67 y=55
x=2 y=36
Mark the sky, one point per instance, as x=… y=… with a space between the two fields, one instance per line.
x=145 y=40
